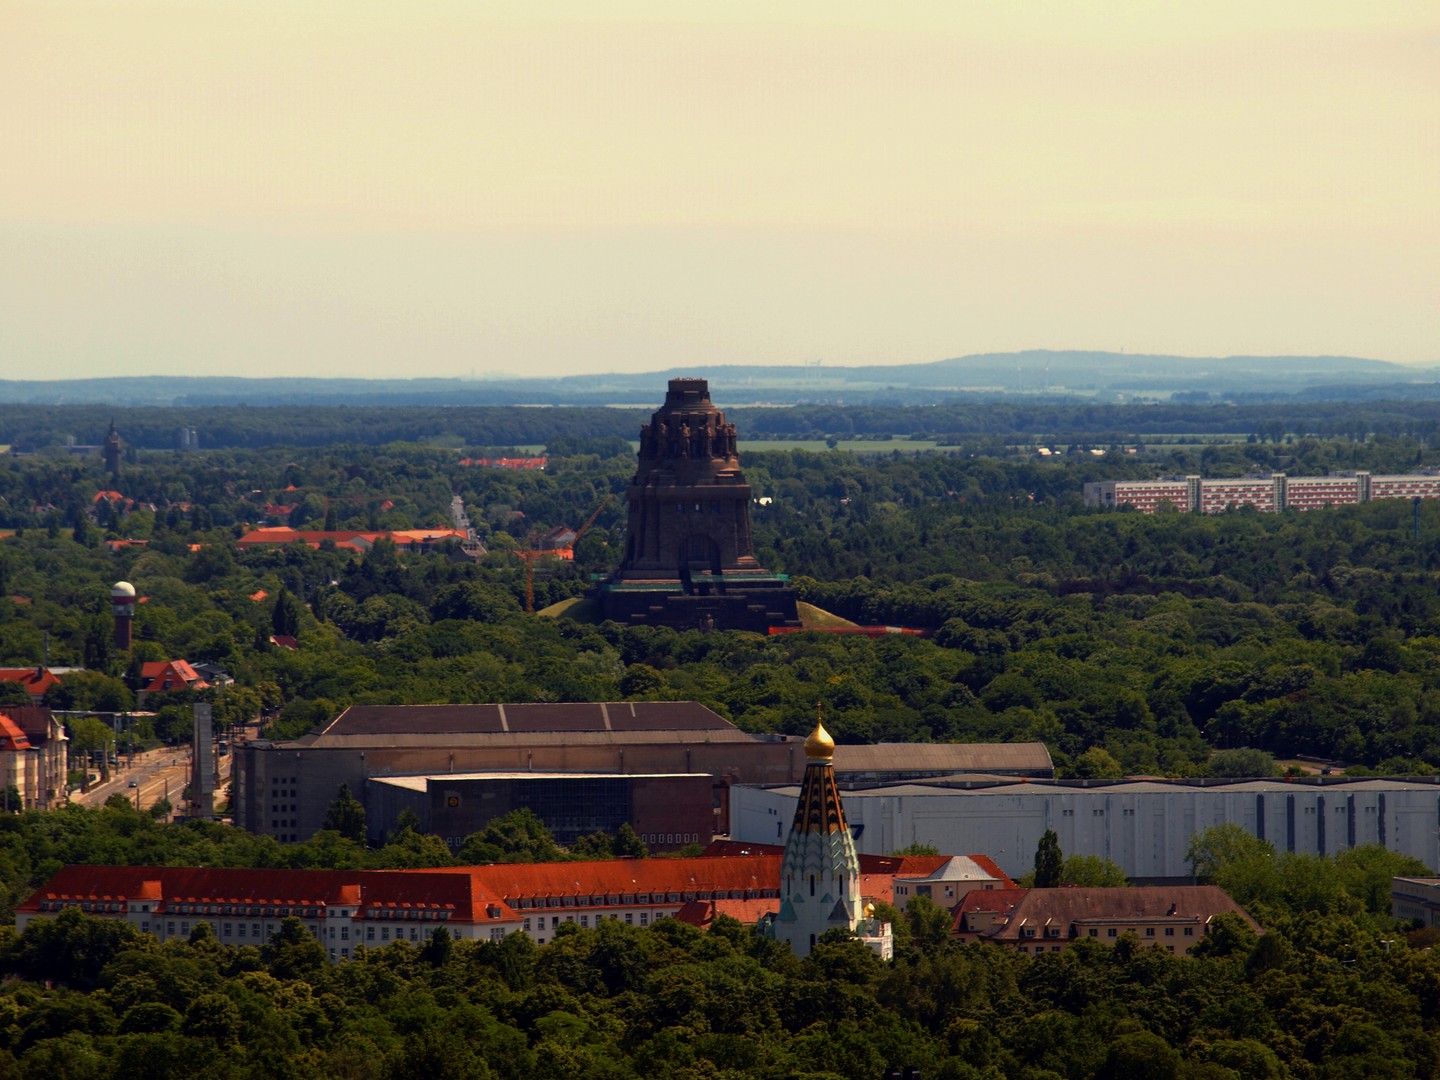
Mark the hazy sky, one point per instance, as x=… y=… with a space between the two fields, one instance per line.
x=385 y=188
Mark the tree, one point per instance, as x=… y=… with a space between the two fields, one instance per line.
x=285 y=616
x=917 y=849
x=72 y=948
x=1049 y=862
x=1093 y=872
x=1216 y=849
x=88 y=735
x=346 y=815
x=641 y=680
x=628 y=843
x=1243 y=762
x=292 y=951
x=13 y=693
x=1097 y=763
x=519 y=836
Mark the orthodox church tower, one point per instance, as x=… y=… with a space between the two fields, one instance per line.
x=820 y=872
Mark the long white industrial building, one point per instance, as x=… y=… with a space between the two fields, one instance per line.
x=1143 y=826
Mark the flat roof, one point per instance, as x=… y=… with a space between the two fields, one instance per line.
x=418 y=783
x=1012 y=786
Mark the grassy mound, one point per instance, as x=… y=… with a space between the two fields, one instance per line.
x=585 y=610
x=814 y=618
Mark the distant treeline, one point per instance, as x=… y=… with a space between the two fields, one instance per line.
x=28 y=427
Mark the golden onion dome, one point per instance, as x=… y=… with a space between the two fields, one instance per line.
x=819 y=746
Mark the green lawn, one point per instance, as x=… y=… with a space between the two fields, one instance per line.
x=853 y=446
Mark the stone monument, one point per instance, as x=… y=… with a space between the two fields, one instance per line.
x=689 y=561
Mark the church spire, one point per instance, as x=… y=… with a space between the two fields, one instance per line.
x=820 y=871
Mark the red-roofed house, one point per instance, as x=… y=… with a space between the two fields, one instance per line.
x=417 y=540
x=1173 y=917
x=36 y=680
x=703 y=913
x=33 y=755
x=15 y=748
x=157 y=676
x=521 y=463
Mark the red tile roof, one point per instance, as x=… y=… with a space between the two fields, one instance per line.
x=911 y=866
x=1070 y=907
x=506 y=462
x=702 y=913
x=36 y=721
x=158 y=675
x=368 y=889
x=11 y=737
x=350 y=539
x=36 y=680
x=744 y=887
x=520 y=881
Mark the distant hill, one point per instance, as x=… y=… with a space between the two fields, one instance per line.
x=1101 y=376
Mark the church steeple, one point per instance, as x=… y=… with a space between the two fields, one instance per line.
x=820 y=872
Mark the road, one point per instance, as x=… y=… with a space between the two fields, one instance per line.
x=157 y=774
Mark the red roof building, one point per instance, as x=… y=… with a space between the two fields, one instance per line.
x=120 y=545
x=348 y=908
x=521 y=463
x=157 y=676
x=1173 y=917
x=415 y=540
x=36 y=680
x=345 y=909
x=11 y=737
x=34 y=755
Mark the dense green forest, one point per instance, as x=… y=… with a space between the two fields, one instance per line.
x=1127 y=643
x=963 y=424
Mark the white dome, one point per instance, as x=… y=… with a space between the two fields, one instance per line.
x=123 y=588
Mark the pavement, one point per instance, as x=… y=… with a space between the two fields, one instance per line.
x=156 y=774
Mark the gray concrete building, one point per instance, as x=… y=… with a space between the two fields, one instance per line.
x=1143 y=826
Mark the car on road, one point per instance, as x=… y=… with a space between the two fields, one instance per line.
x=134 y=783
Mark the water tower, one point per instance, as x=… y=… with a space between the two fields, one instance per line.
x=122 y=601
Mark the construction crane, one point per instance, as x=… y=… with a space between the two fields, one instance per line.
x=591 y=519
x=530 y=554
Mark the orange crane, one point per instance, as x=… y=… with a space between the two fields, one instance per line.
x=591 y=519
x=531 y=553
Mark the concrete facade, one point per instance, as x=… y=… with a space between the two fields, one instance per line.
x=666 y=811
x=283 y=789
x=1269 y=492
x=1144 y=827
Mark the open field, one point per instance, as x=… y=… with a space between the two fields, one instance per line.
x=852 y=446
